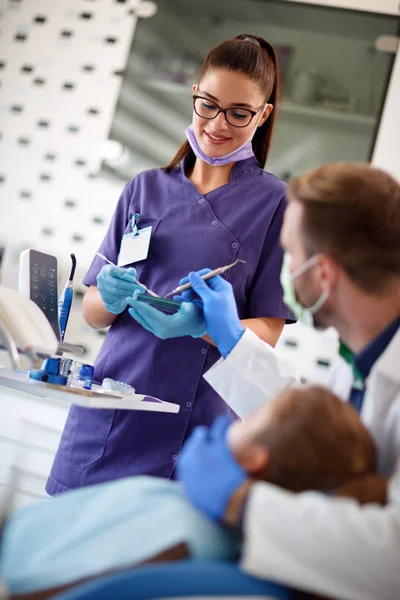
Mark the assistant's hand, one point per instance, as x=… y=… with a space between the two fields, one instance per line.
x=208 y=471
x=189 y=320
x=220 y=311
x=115 y=285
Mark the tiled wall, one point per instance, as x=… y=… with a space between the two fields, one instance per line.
x=61 y=66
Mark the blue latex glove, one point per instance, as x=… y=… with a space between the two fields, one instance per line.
x=219 y=306
x=115 y=285
x=190 y=295
x=208 y=470
x=189 y=320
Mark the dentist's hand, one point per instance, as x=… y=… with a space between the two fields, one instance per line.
x=189 y=320
x=115 y=286
x=208 y=471
x=220 y=311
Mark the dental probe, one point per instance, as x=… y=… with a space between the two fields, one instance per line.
x=207 y=276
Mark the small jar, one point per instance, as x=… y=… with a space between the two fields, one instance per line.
x=85 y=377
x=65 y=366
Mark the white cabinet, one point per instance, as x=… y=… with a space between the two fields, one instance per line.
x=30 y=430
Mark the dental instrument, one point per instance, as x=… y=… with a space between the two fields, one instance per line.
x=65 y=302
x=207 y=276
x=150 y=292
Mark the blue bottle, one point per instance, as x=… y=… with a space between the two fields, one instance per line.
x=86 y=376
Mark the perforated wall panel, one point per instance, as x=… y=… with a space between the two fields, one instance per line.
x=61 y=66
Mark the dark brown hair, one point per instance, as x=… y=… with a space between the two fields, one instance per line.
x=260 y=63
x=352 y=213
x=315 y=441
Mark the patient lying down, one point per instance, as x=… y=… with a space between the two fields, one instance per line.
x=305 y=439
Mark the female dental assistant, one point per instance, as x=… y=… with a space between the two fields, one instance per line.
x=211 y=205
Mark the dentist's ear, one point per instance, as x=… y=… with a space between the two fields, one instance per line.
x=328 y=272
x=195 y=88
x=266 y=113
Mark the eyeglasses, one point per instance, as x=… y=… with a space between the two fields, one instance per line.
x=238 y=117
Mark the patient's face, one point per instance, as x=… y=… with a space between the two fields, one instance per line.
x=242 y=436
x=242 y=433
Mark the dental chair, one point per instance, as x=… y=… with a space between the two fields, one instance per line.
x=183 y=579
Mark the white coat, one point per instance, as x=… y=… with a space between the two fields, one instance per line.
x=310 y=541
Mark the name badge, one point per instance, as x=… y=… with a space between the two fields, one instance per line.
x=134 y=247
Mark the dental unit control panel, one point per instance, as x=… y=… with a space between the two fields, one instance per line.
x=38 y=280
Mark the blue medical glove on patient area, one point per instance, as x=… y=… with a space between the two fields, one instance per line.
x=101 y=528
x=208 y=471
x=220 y=310
x=115 y=285
x=189 y=320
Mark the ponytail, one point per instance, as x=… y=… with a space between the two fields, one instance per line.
x=263 y=137
x=184 y=153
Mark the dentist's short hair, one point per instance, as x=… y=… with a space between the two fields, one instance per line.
x=352 y=213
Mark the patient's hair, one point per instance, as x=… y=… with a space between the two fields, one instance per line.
x=315 y=441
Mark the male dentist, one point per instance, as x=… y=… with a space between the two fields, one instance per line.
x=341 y=236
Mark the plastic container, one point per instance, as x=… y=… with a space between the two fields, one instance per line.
x=85 y=377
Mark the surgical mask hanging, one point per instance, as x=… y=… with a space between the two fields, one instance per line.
x=242 y=153
x=302 y=314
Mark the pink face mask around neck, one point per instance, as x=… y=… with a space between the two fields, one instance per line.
x=242 y=153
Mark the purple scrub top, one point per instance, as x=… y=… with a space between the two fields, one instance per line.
x=190 y=231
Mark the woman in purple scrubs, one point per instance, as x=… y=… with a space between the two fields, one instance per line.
x=214 y=203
